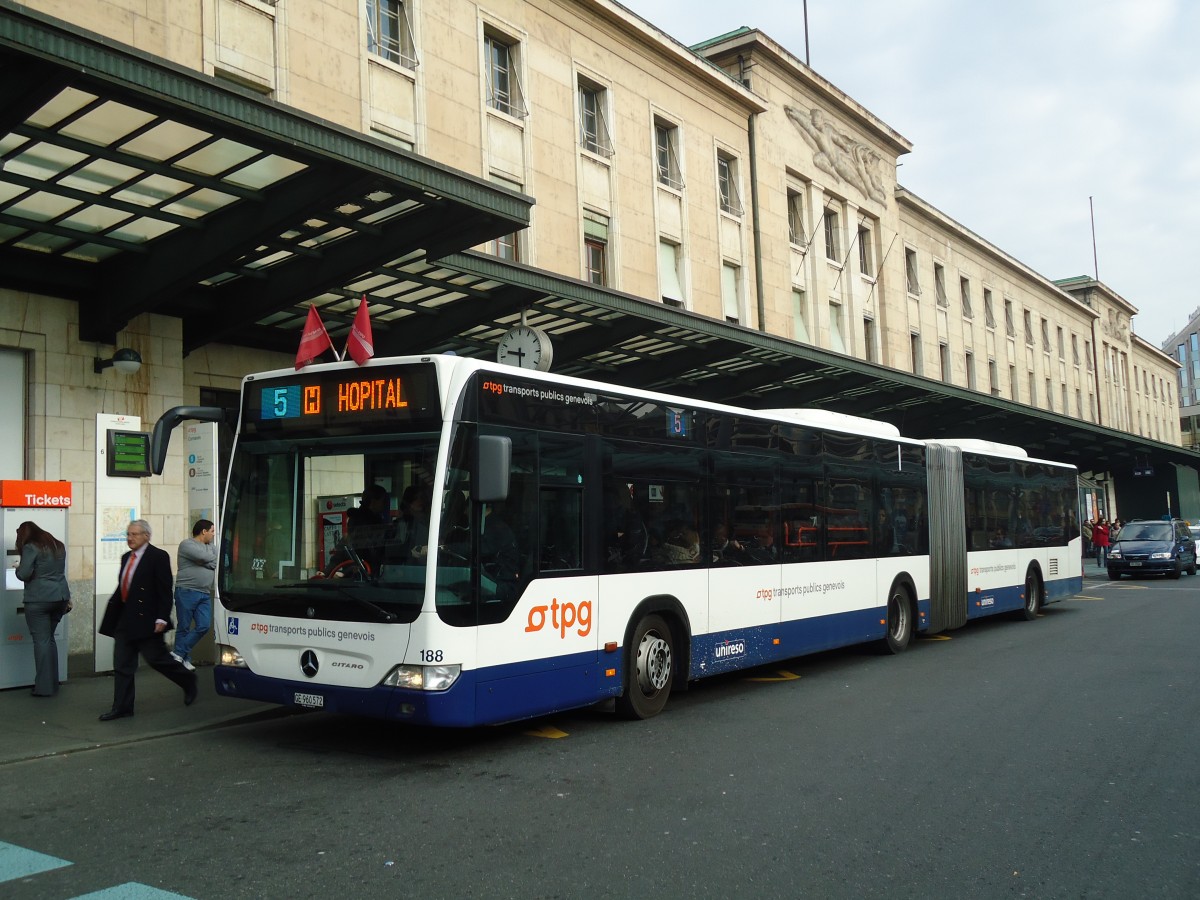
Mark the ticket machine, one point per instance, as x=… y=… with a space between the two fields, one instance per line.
x=44 y=503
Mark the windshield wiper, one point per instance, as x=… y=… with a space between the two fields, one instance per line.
x=326 y=584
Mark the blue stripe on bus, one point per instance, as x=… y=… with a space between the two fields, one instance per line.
x=1012 y=597
x=17 y=862
x=542 y=687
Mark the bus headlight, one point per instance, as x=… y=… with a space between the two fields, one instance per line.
x=423 y=678
x=228 y=656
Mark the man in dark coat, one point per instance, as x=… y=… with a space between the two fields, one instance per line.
x=137 y=617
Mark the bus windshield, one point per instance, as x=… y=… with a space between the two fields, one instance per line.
x=329 y=529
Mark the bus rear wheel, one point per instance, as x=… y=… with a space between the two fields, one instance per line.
x=649 y=662
x=899 y=620
x=1033 y=596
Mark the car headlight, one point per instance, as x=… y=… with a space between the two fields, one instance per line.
x=1114 y=553
x=1166 y=554
x=423 y=678
x=228 y=656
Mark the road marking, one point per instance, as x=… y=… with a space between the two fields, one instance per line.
x=1086 y=597
x=17 y=862
x=935 y=637
x=547 y=731
x=781 y=675
x=131 y=891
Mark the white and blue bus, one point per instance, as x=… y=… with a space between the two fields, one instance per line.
x=529 y=543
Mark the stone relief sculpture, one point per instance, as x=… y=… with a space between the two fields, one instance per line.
x=838 y=154
x=1115 y=327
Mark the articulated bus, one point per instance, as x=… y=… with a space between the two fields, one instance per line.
x=529 y=543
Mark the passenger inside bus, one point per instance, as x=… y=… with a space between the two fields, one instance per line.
x=412 y=528
x=681 y=547
x=625 y=535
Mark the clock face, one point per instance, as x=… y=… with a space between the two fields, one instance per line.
x=528 y=348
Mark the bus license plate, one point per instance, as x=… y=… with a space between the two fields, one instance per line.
x=311 y=701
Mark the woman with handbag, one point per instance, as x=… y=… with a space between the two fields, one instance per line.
x=43 y=568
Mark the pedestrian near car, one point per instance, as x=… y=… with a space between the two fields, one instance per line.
x=136 y=618
x=197 y=560
x=42 y=568
x=1100 y=541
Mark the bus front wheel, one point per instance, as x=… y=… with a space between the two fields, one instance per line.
x=649 y=662
x=899 y=620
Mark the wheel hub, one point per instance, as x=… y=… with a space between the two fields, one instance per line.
x=653 y=663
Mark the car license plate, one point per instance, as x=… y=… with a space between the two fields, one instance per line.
x=312 y=701
x=1134 y=563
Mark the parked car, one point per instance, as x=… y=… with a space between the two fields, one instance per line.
x=1153 y=547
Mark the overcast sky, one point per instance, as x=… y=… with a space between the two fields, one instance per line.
x=1019 y=111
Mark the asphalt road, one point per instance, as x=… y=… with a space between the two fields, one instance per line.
x=1054 y=758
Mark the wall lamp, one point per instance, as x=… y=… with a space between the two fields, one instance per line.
x=125 y=361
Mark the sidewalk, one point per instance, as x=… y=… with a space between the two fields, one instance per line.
x=46 y=726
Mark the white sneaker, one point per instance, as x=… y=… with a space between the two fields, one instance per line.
x=186 y=663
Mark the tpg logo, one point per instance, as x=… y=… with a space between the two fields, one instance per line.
x=231 y=624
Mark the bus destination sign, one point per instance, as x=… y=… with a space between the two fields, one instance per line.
x=381 y=394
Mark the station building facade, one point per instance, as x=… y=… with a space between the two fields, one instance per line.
x=729 y=180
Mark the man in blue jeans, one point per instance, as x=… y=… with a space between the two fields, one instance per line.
x=197 y=561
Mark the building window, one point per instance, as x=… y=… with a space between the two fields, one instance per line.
x=594 y=135
x=993 y=378
x=1062 y=348
x=1049 y=396
x=731 y=292
x=969 y=362
x=1075 y=349
x=504 y=91
x=964 y=291
x=914 y=349
x=1013 y=387
x=1066 y=410
x=910 y=272
x=939 y=284
x=837 y=342
x=506 y=247
x=669 y=285
x=1046 y=335
x=595 y=248
x=666 y=154
x=800 y=317
x=594 y=261
x=989 y=314
x=1028 y=321
x=866 y=252
x=1087 y=356
x=1010 y=326
x=389 y=33
x=1078 y=403
x=727 y=189
x=832 y=230
x=944 y=356
x=795 y=203
x=870 y=350
x=1032 y=389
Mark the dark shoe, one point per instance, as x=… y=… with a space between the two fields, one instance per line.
x=189 y=693
x=36 y=694
x=114 y=714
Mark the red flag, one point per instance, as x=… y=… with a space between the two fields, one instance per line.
x=314 y=340
x=359 y=344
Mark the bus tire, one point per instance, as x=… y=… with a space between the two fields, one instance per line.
x=649 y=664
x=899 y=619
x=1033 y=595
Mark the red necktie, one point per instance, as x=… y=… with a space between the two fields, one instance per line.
x=127 y=577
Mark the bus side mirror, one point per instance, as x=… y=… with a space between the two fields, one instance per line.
x=160 y=438
x=494 y=461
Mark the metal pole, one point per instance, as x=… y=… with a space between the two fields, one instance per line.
x=1091 y=212
x=806 y=59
